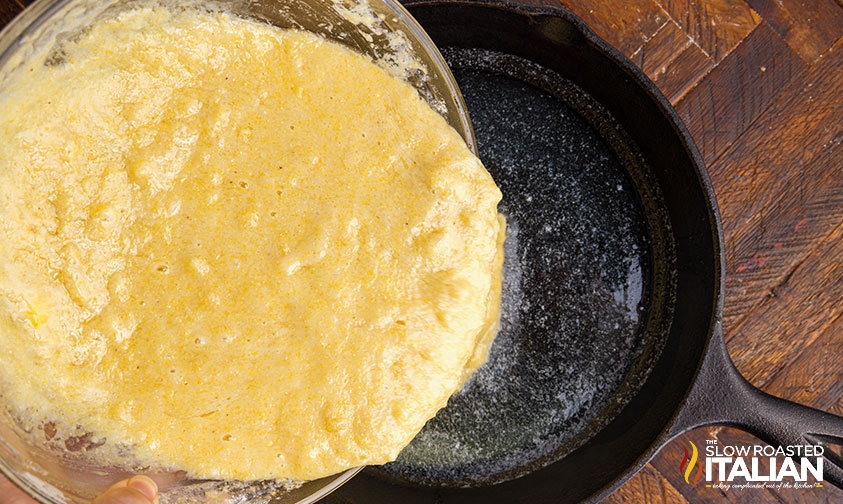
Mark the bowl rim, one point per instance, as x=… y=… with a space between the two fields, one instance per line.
x=466 y=130
x=40 y=11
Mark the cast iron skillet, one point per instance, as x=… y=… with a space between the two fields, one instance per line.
x=675 y=373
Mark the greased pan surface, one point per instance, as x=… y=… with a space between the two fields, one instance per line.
x=588 y=280
x=613 y=219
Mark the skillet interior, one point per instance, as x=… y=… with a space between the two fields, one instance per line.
x=619 y=439
x=587 y=279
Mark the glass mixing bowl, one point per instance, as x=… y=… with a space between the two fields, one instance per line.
x=55 y=470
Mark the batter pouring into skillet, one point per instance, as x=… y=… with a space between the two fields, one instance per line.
x=238 y=251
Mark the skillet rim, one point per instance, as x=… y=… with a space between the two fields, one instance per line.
x=534 y=9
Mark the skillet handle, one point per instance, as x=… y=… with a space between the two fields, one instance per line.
x=721 y=396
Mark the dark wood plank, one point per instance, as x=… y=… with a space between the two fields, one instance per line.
x=681 y=74
x=760 y=67
x=654 y=56
x=749 y=178
x=776 y=332
x=837 y=409
x=828 y=494
x=8 y=10
x=646 y=487
x=810 y=27
x=672 y=60
x=765 y=250
x=626 y=24
x=806 y=382
x=717 y=26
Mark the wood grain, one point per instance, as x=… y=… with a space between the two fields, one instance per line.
x=762 y=66
x=672 y=60
x=661 y=50
x=818 y=386
x=760 y=85
x=792 y=319
x=626 y=24
x=683 y=73
x=808 y=26
x=8 y=10
x=770 y=245
x=646 y=487
x=717 y=26
x=778 y=185
x=749 y=176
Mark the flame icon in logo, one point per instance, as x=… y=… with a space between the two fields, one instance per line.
x=687 y=469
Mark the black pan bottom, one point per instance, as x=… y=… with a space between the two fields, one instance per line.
x=577 y=280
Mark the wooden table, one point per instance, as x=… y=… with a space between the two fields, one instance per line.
x=760 y=85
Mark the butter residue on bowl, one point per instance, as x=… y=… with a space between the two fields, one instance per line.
x=234 y=250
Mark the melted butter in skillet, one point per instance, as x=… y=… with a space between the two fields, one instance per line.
x=576 y=266
x=241 y=252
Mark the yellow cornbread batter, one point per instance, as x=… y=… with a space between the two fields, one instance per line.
x=239 y=251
